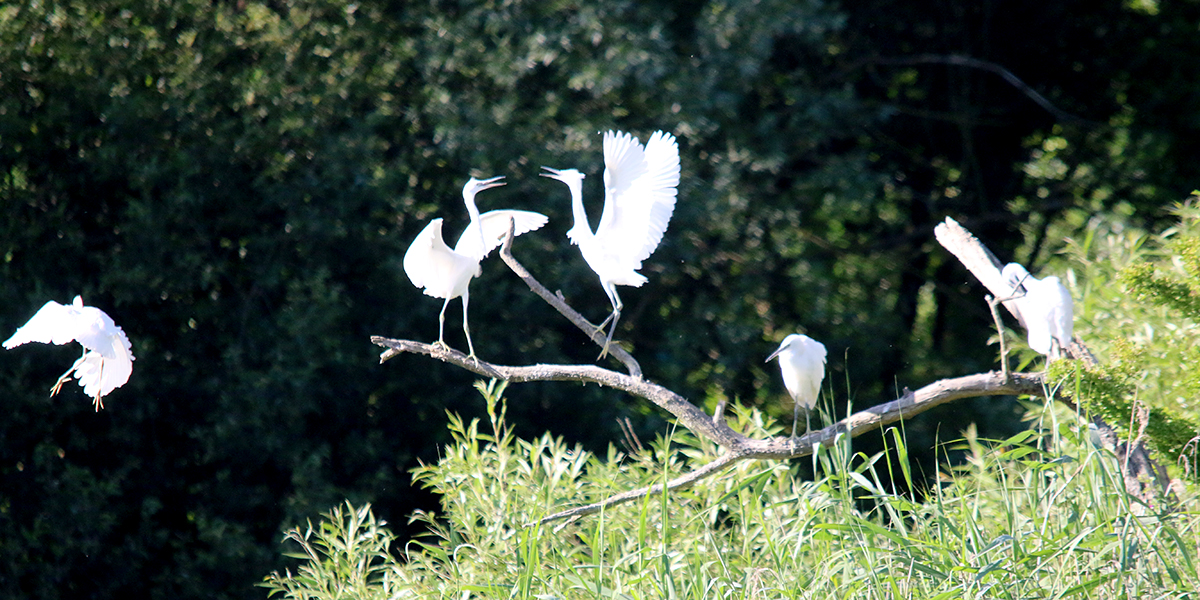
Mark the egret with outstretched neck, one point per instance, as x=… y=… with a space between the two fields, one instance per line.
x=639 y=198
x=802 y=362
x=443 y=272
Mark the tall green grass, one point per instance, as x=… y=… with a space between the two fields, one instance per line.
x=1040 y=515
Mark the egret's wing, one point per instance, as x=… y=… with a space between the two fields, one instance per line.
x=624 y=163
x=641 y=210
x=99 y=375
x=818 y=349
x=815 y=353
x=495 y=227
x=420 y=259
x=1062 y=317
x=53 y=323
x=96 y=331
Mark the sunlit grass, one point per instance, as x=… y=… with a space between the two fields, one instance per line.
x=1040 y=515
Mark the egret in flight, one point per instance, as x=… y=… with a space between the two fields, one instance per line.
x=639 y=197
x=445 y=273
x=1046 y=307
x=802 y=361
x=107 y=359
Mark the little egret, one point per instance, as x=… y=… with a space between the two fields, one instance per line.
x=1047 y=308
x=802 y=361
x=639 y=197
x=107 y=359
x=444 y=273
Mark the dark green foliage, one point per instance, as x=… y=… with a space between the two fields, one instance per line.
x=235 y=182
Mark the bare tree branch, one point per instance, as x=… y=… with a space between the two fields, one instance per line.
x=1144 y=478
x=737 y=445
x=560 y=304
x=975 y=63
x=978 y=260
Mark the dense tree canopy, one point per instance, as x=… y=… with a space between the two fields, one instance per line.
x=236 y=182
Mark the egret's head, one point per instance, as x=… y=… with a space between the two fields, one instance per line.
x=474 y=186
x=788 y=342
x=571 y=177
x=1015 y=275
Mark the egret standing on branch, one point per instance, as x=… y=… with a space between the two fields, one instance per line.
x=444 y=273
x=639 y=197
x=107 y=359
x=802 y=361
x=1046 y=307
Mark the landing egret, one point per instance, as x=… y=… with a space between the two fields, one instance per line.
x=444 y=273
x=802 y=361
x=1046 y=307
x=639 y=197
x=107 y=359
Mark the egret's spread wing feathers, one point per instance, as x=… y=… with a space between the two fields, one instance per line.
x=637 y=213
x=99 y=374
x=106 y=363
x=495 y=227
x=419 y=257
x=96 y=331
x=53 y=323
x=624 y=162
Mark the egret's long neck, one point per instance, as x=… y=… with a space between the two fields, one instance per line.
x=582 y=229
x=476 y=224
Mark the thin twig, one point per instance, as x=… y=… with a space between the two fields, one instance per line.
x=991 y=301
x=559 y=304
x=975 y=63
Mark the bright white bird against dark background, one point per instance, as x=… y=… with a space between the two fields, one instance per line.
x=802 y=362
x=639 y=197
x=1046 y=307
x=443 y=272
x=107 y=359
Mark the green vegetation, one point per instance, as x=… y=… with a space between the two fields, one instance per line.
x=1036 y=515
x=236 y=181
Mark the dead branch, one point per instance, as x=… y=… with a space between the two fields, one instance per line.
x=736 y=445
x=560 y=304
x=978 y=260
x=1144 y=478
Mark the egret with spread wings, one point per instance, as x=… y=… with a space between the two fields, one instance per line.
x=443 y=272
x=639 y=197
x=107 y=359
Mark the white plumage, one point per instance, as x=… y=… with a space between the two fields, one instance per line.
x=802 y=362
x=1046 y=307
x=107 y=360
x=639 y=198
x=446 y=273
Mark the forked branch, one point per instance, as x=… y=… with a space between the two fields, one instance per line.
x=735 y=445
x=1144 y=478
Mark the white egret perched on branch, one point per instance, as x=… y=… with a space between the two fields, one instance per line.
x=107 y=359
x=1046 y=307
x=802 y=361
x=446 y=273
x=639 y=197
